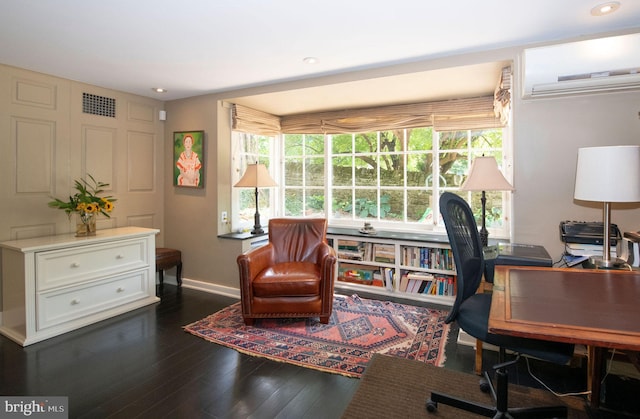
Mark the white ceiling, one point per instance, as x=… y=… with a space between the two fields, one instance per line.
x=197 y=47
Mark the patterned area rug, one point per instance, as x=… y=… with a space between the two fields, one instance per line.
x=358 y=328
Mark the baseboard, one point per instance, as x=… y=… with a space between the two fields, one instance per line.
x=209 y=287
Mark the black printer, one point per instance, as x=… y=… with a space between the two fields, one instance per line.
x=587 y=232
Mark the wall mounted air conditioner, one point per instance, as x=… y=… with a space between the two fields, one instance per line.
x=583 y=67
x=587 y=85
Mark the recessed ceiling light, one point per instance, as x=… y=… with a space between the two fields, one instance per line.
x=605 y=8
x=159 y=90
x=310 y=60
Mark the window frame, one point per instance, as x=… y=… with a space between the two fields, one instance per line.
x=278 y=204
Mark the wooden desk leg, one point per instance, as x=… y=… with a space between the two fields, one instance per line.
x=594 y=373
x=478 y=367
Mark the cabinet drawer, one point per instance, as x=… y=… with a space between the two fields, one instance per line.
x=60 y=306
x=82 y=264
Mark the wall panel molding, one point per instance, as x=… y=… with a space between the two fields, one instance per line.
x=140 y=112
x=141 y=164
x=34 y=93
x=34 y=145
x=98 y=154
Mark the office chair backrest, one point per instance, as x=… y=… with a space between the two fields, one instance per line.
x=464 y=239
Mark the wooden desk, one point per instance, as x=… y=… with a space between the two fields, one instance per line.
x=598 y=308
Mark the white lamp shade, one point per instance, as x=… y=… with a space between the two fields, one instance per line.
x=608 y=174
x=256 y=176
x=484 y=175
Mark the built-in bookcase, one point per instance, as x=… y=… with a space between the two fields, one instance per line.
x=407 y=265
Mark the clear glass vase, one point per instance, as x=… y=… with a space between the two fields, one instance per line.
x=85 y=224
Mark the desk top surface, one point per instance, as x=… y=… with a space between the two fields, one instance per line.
x=592 y=307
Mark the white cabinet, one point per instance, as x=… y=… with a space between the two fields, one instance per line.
x=54 y=284
x=406 y=265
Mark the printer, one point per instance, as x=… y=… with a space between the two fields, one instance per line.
x=588 y=232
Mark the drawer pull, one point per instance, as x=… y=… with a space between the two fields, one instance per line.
x=120 y=289
x=119 y=257
x=75 y=302
x=75 y=265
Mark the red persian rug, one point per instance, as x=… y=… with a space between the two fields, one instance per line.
x=358 y=328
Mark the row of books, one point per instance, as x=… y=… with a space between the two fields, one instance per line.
x=365 y=251
x=427 y=257
x=426 y=283
x=367 y=275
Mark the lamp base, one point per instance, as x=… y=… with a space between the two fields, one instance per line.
x=598 y=262
x=257 y=230
x=484 y=237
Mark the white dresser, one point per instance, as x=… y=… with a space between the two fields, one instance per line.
x=54 y=284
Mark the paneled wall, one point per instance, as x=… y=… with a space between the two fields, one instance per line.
x=48 y=140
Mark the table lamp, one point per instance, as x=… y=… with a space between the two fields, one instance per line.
x=608 y=174
x=256 y=176
x=484 y=175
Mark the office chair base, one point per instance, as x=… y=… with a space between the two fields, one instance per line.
x=500 y=395
x=493 y=412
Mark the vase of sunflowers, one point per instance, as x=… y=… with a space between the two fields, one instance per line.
x=86 y=204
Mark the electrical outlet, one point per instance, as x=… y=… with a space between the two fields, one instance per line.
x=223 y=217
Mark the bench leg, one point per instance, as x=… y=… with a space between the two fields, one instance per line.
x=161 y=276
x=179 y=274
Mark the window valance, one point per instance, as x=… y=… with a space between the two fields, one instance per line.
x=446 y=115
x=442 y=115
x=502 y=96
x=249 y=120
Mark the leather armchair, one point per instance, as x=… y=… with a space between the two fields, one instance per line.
x=291 y=276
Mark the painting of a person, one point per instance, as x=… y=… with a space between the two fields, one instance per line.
x=188 y=164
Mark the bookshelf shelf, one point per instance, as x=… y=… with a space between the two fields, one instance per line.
x=407 y=265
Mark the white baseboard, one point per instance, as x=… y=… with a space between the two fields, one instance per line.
x=206 y=287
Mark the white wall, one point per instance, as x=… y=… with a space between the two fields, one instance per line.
x=547 y=135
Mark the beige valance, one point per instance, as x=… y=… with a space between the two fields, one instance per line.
x=253 y=121
x=502 y=96
x=446 y=115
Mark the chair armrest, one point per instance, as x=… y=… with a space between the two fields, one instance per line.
x=251 y=263
x=326 y=259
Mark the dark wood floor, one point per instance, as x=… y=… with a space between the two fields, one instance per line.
x=142 y=364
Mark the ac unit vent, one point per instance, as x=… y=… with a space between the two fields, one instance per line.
x=98 y=105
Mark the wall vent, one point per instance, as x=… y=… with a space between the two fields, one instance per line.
x=98 y=105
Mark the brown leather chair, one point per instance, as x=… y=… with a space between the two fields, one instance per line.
x=292 y=275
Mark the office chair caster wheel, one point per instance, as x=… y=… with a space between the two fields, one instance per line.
x=431 y=406
x=485 y=386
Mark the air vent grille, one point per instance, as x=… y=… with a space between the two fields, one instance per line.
x=98 y=105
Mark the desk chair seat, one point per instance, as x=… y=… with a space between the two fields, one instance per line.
x=168 y=258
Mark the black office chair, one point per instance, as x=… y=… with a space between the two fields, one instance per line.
x=471 y=311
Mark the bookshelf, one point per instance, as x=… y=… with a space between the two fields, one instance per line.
x=406 y=265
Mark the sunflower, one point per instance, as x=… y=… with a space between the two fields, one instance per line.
x=86 y=200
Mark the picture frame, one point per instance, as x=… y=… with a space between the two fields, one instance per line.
x=188 y=159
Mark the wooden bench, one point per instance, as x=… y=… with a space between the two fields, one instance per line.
x=168 y=258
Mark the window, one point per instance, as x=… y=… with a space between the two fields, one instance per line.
x=388 y=177
x=247 y=149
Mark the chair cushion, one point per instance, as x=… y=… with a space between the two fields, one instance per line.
x=473 y=318
x=288 y=279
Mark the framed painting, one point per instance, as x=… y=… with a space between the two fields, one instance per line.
x=188 y=159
